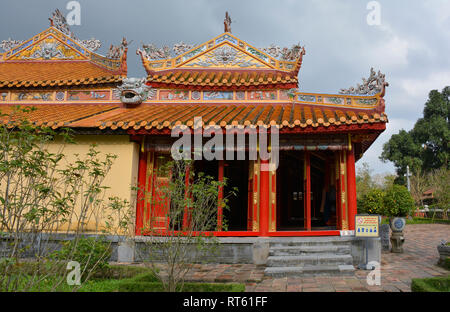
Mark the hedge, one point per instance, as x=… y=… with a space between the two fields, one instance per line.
x=433 y=284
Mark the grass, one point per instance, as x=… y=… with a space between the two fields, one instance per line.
x=418 y=220
x=433 y=284
x=121 y=278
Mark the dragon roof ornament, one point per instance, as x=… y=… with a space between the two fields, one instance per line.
x=10 y=44
x=374 y=84
x=115 y=52
x=285 y=54
x=133 y=91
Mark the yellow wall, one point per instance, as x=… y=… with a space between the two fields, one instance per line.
x=124 y=171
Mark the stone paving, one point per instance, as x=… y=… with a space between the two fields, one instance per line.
x=418 y=260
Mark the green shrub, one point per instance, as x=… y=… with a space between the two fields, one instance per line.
x=397 y=202
x=145 y=278
x=433 y=284
x=92 y=254
x=446 y=263
x=372 y=202
x=131 y=286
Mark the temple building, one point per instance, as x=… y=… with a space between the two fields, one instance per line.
x=226 y=83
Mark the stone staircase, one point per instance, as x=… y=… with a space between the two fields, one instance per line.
x=311 y=256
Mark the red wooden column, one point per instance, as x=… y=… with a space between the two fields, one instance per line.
x=338 y=190
x=351 y=189
x=140 y=194
x=220 y=195
x=307 y=196
x=187 y=213
x=264 y=202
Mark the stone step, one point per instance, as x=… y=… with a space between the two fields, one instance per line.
x=316 y=270
x=309 y=249
x=309 y=259
x=317 y=241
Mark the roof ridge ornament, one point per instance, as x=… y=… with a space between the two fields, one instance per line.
x=285 y=54
x=375 y=84
x=227 y=22
x=59 y=22
x=153 y=53
x=10 y=44
x=115 y=52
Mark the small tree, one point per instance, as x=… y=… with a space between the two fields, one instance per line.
x=398 y=202
x=372 y=202
x=42 y=195
x=419 y=183
x=440 y=181
x=190 y=214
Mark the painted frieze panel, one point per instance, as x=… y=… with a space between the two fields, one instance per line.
x=262 y=95
x=306 y=98
x=173 y=95
x=334 y=100
x=220 y=95
x=88 y=95
x=32 y=96
x=284 y=95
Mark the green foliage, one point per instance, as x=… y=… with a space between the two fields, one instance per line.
x=186 y=287
x=372 y=202
x=425 y=147
x=121 y=272
x=446 y=263
x=398 y=202
x=433 y=284
x=440 y=182
x=364 y=181
x=92 y=254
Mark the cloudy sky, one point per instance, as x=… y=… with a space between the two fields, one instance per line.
x=411 y=45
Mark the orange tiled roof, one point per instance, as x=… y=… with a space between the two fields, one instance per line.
x=284 y=115
x=54 y=73
x=222 y=78
x=162 y=116
x=54 y=116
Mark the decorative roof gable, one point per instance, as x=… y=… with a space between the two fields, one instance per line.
x=58 y=45
x=225 y=52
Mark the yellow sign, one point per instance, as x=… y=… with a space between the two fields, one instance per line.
x=367 y=225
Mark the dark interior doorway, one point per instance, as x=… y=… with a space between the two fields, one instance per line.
x=236 y=172
x=290 y=197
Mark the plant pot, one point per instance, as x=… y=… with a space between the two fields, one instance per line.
x=397 y=225
x=444 y=252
